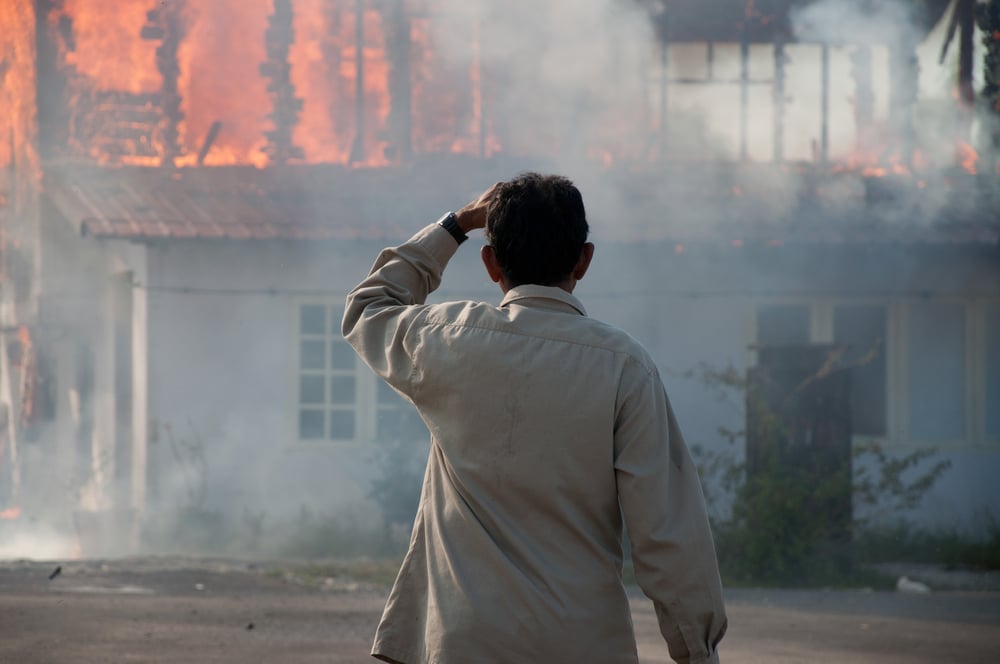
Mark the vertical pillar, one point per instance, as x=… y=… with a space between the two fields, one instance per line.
x=824 y=154
x=398 y=46
x=779 y=99
x=904 y=70
x=358 y=149
x=864 y=94
x=744 y=96
x=140 y=392
x=966 y=13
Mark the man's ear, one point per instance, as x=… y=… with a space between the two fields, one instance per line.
x=492 y=265
x=586 y=255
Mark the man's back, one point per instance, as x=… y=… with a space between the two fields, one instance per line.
x=519 y=526
x=546 y=427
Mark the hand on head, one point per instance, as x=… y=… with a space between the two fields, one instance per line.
x=473 y=215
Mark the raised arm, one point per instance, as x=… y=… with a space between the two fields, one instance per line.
x=382 y=308
x=667 y=523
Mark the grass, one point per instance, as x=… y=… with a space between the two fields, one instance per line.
x=902 y=543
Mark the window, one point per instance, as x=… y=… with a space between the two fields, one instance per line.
x=936 y=363
x=780 y=325
x=993 y=372
x=922 y=370
x=337 y=397
x=862 y=328
x=328 y=377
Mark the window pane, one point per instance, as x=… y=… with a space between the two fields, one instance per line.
x=312 y=389
x=937 y=371
x=310 y=424
x=862 y=328
x=312 y=355
x=341 y=354
x=312 y=319
x=780 y=325
x=342 y=424
x=993 y=372
x=342 y=390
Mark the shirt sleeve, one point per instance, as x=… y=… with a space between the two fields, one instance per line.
x=664 y=510
x=382 y=309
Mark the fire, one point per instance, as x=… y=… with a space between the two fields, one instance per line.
x=106 y=47
x=10 y=513
x=17 y=85
x=219 y=60
x=153 y=82
x=966 y=157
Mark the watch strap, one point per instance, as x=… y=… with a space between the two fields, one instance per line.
x=450 y=223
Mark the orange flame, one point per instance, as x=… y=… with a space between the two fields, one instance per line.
x=10 y=513
x=107 y=48
x=17 y=85
x=220 y=80
x=966 y=157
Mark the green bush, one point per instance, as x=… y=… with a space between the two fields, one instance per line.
x=787 y=524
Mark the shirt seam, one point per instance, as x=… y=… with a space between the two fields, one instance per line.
x=648 y=370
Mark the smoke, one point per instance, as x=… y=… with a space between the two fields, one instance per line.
x=855 y=21
x=564 y=86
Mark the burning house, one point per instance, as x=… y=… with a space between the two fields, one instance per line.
x=190 y=188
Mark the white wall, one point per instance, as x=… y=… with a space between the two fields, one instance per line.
x=221 y=362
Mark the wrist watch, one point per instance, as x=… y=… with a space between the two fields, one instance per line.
x=449 y=222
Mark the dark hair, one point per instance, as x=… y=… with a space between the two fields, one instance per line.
x=537 y=226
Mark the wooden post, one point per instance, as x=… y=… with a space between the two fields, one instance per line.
x=358 y=149
x=398 y=46
x=779 y=99
x=824 y=154
x=744 y=95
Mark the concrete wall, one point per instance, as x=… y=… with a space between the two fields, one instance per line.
x=222 y=352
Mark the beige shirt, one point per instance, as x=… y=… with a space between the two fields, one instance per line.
x=547 y=427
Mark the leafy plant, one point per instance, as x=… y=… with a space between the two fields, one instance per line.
x=784 y=523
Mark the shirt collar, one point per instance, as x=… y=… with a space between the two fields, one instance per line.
x=556 y=297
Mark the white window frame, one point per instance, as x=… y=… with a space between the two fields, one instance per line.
x=897 y=356
x=366 y=387
x=364 y=384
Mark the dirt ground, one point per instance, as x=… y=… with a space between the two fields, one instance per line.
x=157 y=610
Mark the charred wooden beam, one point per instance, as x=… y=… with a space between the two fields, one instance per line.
x=286 y=107
x=824 y=139
x=52 y=88
x=780 y=60
x=965 y=12
x=166 y=25
x=213 y=133
x=744 y=97
x=399 y=43
x=904 y=69
x=358 y=148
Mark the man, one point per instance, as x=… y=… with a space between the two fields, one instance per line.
x=547 y=428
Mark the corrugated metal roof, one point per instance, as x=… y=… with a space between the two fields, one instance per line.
x=337 y=203
x=227 y=203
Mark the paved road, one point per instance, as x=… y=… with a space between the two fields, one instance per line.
x=154 y=611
